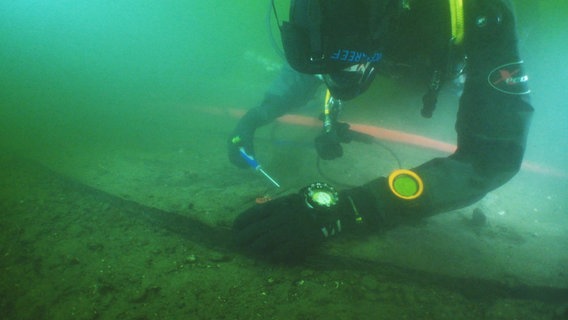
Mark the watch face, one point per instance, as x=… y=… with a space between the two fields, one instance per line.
x=321 y=195
x=322 y=198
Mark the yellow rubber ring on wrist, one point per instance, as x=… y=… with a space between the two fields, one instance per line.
x=406 y=184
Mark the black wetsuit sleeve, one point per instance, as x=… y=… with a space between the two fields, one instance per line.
x=290 y=90
x=492 y=121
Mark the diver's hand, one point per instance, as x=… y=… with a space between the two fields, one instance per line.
x=290 y=228
x=234 y=145
x=242 y=137
x=281 y=230
x=328 y=144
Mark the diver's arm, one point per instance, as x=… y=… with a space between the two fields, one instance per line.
x=492 y=123
x=290 y=90
x=287 y=92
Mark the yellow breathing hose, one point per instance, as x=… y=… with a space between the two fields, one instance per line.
x=456 y=12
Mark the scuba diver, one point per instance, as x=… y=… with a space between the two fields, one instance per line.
x=343 y=44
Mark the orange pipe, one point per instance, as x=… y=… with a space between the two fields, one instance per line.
x=398 y=137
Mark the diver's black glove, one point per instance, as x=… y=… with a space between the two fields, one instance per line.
x=328 y=144
x=234 y=145
x=290 y=228
x=243 y=137
x=280 y=230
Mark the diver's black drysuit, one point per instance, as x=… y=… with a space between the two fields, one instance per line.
x=494 y=108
